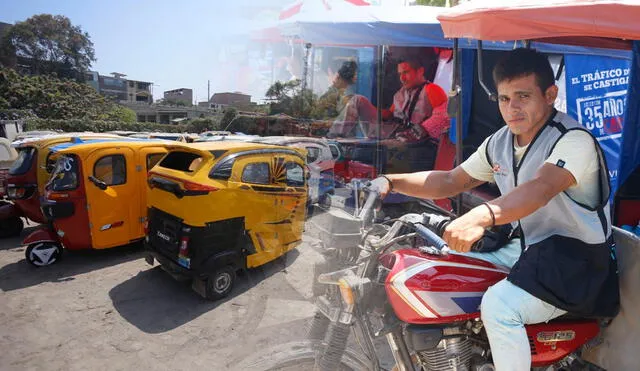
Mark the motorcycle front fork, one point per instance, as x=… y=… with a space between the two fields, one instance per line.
x=399 y=350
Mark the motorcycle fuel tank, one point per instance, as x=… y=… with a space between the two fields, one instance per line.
x=432 y=289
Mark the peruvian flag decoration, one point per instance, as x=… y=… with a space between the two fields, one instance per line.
x=312 y=6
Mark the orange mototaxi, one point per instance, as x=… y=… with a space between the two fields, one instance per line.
x=24 y=183
x=95 y=198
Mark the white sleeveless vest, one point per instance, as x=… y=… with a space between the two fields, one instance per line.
x=562 y=215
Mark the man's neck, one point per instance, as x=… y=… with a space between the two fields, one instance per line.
x=417 y=85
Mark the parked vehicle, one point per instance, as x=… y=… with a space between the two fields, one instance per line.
x=27 y=177
x=95 y=198
x=214 y=133
x=8 y=155
x=186 y=138
x=123 y=133
x=218 y=207
x=229 y=136
x=34 y=133
x=12 y=225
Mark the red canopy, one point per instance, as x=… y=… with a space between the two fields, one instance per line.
x=597 y=23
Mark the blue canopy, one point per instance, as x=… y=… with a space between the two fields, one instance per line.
x=398 y=26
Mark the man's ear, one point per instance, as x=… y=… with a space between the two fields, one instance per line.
x=551 y=94
x=421 y=71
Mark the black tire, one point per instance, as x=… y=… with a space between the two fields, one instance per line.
x=300 y=355
x=220 y=283
x=41 y=254
x=11 y=227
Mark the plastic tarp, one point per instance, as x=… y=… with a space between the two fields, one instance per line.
x=398 y=26
x=579 y=20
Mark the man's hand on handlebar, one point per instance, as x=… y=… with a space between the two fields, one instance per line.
x=462 y=232
x=381 y=185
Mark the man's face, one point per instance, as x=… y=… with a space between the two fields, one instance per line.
x=523 y=105
x=409 y=76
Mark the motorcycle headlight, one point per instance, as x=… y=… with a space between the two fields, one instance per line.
x=16 y=192
x=346 y=291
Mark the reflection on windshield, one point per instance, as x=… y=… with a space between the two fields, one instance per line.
x=22 y=164
x=330 y=92
x=65 y=175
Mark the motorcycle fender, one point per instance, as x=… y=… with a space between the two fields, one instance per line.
x=9 y=210
x=40 y=235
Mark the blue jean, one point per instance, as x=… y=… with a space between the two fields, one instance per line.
x=506 y=308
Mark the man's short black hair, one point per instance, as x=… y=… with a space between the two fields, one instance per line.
x=523 y=62
x=413 y=62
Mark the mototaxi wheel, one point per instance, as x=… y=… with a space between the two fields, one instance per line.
x=220 y=283
x=41 y=254
x=11 y=227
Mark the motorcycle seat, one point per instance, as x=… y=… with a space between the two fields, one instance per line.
x=576 y=317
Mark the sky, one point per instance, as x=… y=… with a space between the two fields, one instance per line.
x=174 y=44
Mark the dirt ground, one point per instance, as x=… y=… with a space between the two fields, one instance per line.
x=110 y=310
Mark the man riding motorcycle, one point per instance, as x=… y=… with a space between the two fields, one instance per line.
x=554 y=184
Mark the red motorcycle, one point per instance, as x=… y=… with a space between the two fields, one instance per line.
x=406 y=287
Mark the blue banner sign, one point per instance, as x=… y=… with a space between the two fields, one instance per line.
x=596 y=97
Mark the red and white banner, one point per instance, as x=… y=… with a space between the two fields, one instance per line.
x=311 y=6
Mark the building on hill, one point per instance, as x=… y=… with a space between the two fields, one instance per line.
x=183 y=95
x=230 y=99
x=120 y=89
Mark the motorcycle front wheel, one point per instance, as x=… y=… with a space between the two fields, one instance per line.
x=300 y=356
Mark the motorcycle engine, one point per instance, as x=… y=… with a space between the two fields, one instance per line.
x=450 y=354
x=440 y=349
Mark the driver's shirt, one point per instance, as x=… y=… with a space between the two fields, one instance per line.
x=431 y=96
x=575 y=151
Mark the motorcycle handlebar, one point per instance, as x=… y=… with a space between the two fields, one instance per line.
x=436 y=224
x=367 y=209
x=430 y=237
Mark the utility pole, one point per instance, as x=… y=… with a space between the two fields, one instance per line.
x=208 y=93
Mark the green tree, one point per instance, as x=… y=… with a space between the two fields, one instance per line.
x=50 y=44
x=203 y=124
x=49 y=97
x=432 y=2
x=122 y=113
x=229 y=115
x=289 y=98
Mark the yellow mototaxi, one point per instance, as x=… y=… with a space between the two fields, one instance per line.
x=219 y=207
